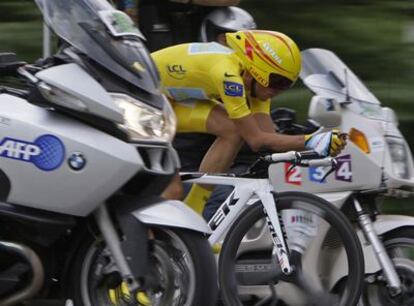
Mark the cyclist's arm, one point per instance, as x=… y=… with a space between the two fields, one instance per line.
x=260 y=110
x=265 y=122
x=259 y=140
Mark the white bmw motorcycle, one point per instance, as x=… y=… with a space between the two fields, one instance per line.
x=84 y=154
x=376 y=163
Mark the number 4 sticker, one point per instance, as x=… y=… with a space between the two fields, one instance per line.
x=344 y=170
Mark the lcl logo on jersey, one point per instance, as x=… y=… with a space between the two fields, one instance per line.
x=46 y=152
x=233 y=89
x=176 y=71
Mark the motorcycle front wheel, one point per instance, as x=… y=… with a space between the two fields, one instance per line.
x=250 y=274
x=181 y=261
x=399 y=245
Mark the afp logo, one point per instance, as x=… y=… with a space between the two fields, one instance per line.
x=47 y=152
x=233 y=89
x=176 y=71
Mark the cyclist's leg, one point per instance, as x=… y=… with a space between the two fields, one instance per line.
x=220 y=155
x=191 y=117
x=174 y=190
x=219 y=195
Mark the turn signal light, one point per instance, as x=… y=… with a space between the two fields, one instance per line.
x=359 y=139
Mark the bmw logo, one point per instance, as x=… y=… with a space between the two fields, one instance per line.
x=77 y=161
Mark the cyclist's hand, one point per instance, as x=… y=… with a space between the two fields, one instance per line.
x=327 y=143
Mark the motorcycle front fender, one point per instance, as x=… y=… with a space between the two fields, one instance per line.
x=171 y=213
x=383 y=225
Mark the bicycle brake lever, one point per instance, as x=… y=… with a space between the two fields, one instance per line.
x=333 y=168
x=292 y=166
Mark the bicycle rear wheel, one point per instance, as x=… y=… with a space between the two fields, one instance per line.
x=319 y=237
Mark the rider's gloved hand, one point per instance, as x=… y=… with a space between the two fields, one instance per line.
x=327 y=143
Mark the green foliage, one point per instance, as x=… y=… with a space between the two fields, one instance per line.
x=20 y=29
x=374 y=38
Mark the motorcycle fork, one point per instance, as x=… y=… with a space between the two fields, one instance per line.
x=114 y=244
x=391 y=275
x=277 y=234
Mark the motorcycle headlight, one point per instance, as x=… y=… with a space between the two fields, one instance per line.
x=399 y=157
x=144 y=122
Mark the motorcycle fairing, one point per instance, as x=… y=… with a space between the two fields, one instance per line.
x=110 y=162
x=72 y=79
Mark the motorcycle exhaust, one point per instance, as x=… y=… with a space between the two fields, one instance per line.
x=36 y=283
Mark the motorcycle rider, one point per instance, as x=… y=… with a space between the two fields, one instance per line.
x=169 y=22
x=226 y=92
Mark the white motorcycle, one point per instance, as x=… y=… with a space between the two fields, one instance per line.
x=376 y=163
x=85 y=151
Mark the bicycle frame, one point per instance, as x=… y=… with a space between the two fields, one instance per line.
x=244 y=190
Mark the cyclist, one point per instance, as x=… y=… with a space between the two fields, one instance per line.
x=258 y=66
x=191 y=147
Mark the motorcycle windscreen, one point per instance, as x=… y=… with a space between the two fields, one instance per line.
x=326 y=75
x=106 y=36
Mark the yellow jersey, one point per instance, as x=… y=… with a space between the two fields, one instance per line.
x=206 y=71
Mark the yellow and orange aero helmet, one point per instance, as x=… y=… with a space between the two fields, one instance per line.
x=272 y=58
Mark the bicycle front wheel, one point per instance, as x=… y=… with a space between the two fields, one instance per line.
x=323 y=247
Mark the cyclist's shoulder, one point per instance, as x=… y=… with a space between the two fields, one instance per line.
x=171 y=50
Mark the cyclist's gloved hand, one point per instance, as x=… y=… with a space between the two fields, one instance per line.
x=327 y=143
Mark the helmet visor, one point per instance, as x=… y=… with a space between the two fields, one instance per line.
x=279 y=82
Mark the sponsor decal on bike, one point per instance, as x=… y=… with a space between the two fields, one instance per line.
x=344 y=169
x=302 y=219
x=222 y=212
x=208 y=48
x=316 y=174
x=294 y=176
x=186 y=93
x=233 y=89
x=176 y=71
x=47 y=152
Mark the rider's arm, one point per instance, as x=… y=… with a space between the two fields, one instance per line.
x=260 y=111
x=232 y=92
x=259 y=140
x=265 y=122
x=209 y=2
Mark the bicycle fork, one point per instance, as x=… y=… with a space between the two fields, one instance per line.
x=391 y=275
x=277 y=234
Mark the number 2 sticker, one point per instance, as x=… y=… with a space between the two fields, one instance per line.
x=294 y=176
x=344 y=170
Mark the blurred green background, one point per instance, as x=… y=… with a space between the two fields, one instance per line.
x=375 y=38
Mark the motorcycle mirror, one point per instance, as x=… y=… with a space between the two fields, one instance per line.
x=326 y=111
